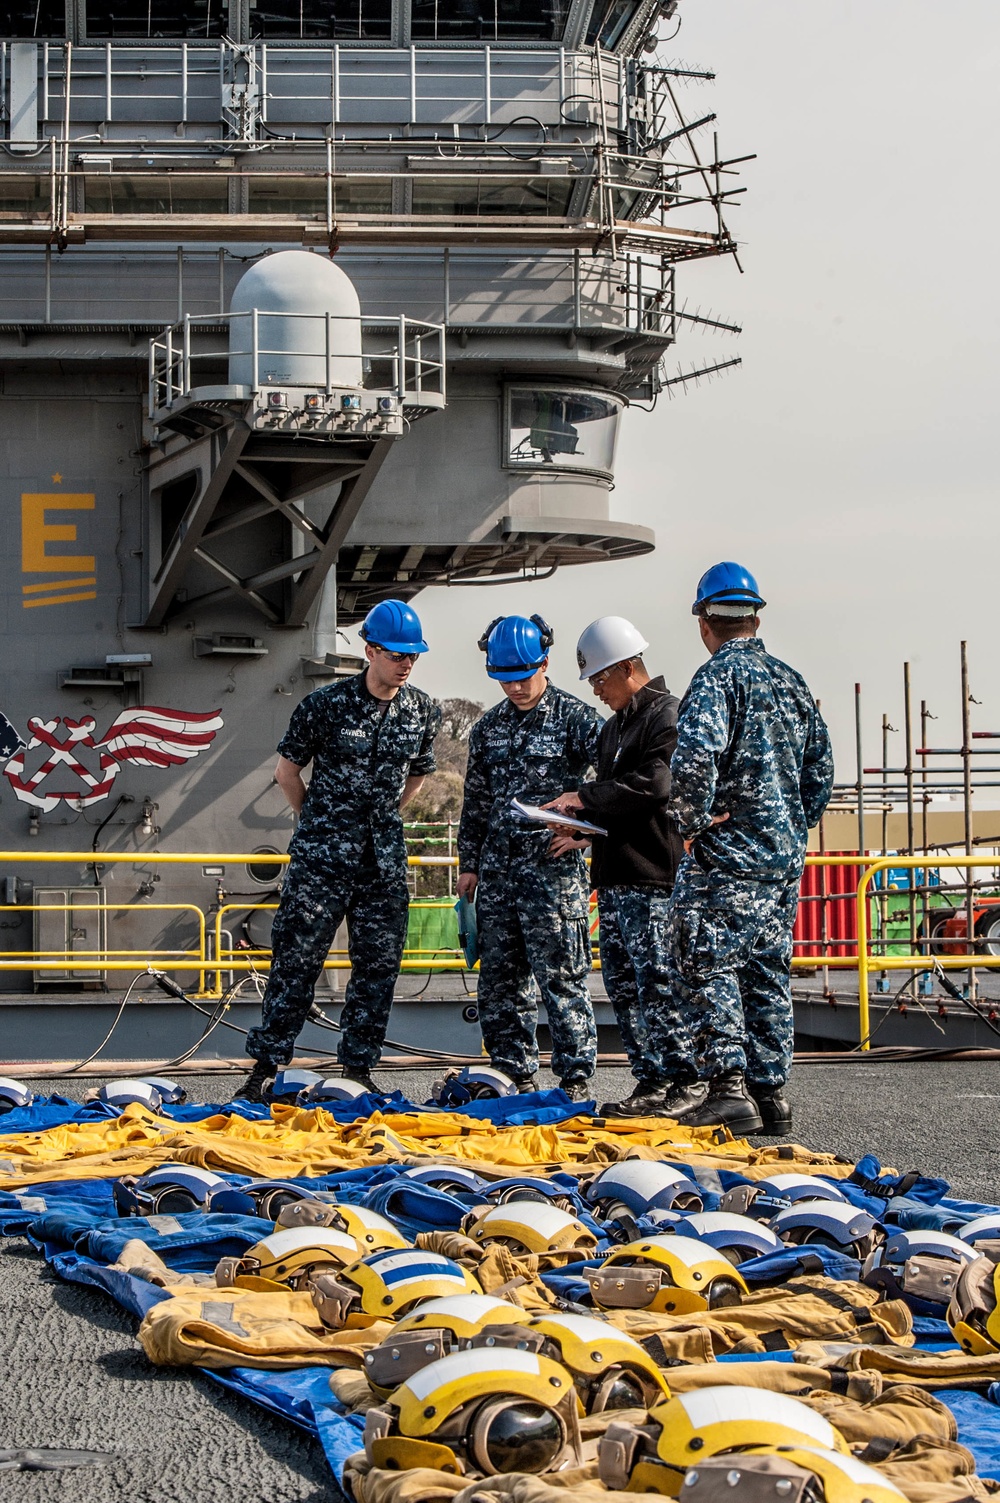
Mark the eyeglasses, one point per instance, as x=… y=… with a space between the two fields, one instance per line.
x=601 y=678
x=396 y=657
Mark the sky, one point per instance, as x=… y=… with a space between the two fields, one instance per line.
x=851 y=461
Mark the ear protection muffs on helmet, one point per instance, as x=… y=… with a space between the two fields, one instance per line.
x=524 y=1187
x=791 y=1474
x=670 y=1274
x=920 y=1267
x=334 y=1088
x=974 y=1312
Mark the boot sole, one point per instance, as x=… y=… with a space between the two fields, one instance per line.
x=772 y=1130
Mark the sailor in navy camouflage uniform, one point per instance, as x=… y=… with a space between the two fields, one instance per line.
x=751 y=775
x=370 y=740
x=532 y=908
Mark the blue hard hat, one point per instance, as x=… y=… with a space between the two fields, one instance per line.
x=727 y=585
x=515 y=647
x=394 y=625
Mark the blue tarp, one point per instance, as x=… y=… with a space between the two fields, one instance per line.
x=75 y=1224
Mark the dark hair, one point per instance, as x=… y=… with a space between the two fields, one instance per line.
x=726 y=628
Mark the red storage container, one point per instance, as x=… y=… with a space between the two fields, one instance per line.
x=828 y=905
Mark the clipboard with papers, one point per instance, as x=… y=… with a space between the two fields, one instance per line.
x=551 y=817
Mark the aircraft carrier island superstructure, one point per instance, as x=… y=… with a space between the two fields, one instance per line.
x=305 y=304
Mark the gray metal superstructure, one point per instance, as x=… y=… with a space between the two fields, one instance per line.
x=510 y=188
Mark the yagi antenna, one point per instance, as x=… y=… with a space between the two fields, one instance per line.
x=698 y=372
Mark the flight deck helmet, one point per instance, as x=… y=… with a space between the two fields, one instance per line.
x=487 y=1411
x=610 y=1369
x=14 y=1093
x=472 y=1083
x=434 y=1329
x=531 y=1226
x=920 y=1267
x=385 y=1285
x=727 y=590
x=516 y=647
x=394 y=626
x=641 y=1186
x=831 y=1223
x=670 y=1274
x=287 y=1259
x=689 y=1428
x=737 y=1238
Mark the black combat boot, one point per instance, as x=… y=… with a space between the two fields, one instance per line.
x=775 y=1110
x=361 y=1078
x=667 y=1100
x=727 y=1104
x=253 y=1088
x=526 y=1084
x=577 y=1090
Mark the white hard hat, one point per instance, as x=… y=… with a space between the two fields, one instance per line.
x=610 y=640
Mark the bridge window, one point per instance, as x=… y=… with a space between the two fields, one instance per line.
x=33 y=18
x=157 y=18
x=556 y=429
x=489 y=195
x=330 y=20
x=489 y=20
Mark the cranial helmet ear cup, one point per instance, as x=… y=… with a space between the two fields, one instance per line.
x=484 y=641
x=545 y=632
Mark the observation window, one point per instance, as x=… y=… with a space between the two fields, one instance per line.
x=157 y=18
x=155 y=193
x=543 y=195
x=23 y=196
x=330 y=20
x=33 y=18
x=304 y=197
x=488 y=20
x=550 y=428
x=609 y=21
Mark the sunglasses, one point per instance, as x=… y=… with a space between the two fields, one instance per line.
x=602 y=677
x=397 y=657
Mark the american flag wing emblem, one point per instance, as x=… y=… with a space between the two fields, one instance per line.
x=154 y=737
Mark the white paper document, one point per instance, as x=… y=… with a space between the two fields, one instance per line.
x=553 y=817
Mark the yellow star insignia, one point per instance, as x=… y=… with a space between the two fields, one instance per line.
x=57 y=480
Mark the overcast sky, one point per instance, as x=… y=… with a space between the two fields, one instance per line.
x=851 y=461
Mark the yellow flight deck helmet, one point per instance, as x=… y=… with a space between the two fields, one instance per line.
x=489 y=1411
x=974 y=1311
x=432 y=1330
x=670 y=1274
x=370 y=1230
x=387 y=1284
x=687 y=1429
x=787 y=1474
x=286 y=1258
x=610 y=1369
x=531 y=1226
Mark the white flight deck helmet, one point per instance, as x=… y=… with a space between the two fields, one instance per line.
x=607 y=641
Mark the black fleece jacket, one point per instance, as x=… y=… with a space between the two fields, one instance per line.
x=629 y=797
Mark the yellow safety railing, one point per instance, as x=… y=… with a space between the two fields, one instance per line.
x=915 y=960
x=227 y=958
x=104 y=957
